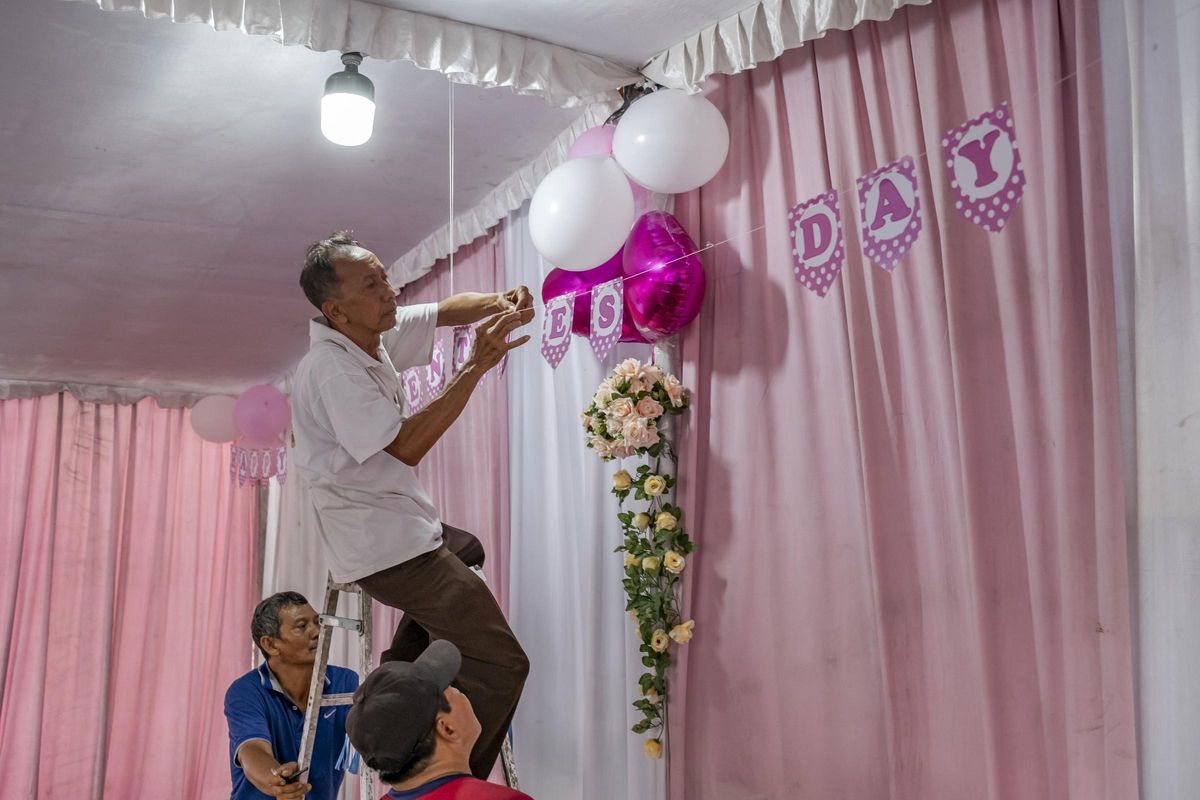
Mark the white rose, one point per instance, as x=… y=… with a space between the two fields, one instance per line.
x=649 y=408
x=673 y=562
x=659 y=641
x=627 y=369
x=666 y=521
x=622 y=480
x=621 y=409
x=650 y=563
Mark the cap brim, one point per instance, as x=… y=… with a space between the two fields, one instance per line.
x=442 y=660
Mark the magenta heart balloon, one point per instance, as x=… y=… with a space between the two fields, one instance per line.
x=560 y=281
x=664 y=279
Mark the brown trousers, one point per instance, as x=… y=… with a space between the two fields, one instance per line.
x=442 y=599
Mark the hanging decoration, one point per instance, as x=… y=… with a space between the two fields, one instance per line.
x=559 y=282
x=436 y=371
x=664 y=277
x=818 y=250
x=891 y=212
x=413 y=391
x=986 y=175
x=256 y=462
x=556 y=329
x=462 y=345
x=626 y=418
x=607 y=302
x=212 y=419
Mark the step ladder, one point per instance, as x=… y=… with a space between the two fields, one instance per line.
x=317 y=699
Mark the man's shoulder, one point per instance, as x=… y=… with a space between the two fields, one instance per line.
x=475 y=789
x=341 y=679
x=247 y=685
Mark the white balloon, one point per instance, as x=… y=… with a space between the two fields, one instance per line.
x=212 y=419
x=671 y=141
x=581 y=213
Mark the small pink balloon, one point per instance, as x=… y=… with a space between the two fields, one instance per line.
x=664 y=279
x=595 y=141
x=262 y=413
x=561 y=281
x=212 y=419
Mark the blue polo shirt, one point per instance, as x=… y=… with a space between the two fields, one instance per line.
x=256 y=707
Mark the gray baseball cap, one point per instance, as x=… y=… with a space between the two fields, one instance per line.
x=397 y=705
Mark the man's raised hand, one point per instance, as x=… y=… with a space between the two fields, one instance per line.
x=491 y=336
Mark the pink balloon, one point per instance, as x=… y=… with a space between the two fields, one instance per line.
x=664 y=279
x=595 y=141
x=262 y=413
x=561 y=281
x=212 y=419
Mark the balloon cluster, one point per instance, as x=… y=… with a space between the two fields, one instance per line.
x=593 y=216
x=258 y=417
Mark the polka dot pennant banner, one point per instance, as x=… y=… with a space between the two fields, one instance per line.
x=463 y=344
x=556 y=328
x=986 y=176
x=411 y=385
x=818 y=248
x=890 y=206
x=608 y=304
x=436 y=371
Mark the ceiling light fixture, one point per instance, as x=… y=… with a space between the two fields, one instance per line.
x=348 y=107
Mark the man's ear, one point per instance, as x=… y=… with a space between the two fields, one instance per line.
x=332 y=310
x=268 y=644
x=446 y=729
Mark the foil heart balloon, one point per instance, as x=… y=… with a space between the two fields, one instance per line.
x=560 y=281
x=664 y=279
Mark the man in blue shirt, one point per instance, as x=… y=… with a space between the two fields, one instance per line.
x=265 y=708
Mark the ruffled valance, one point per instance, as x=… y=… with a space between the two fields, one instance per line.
x=761 y=33
x=465 y=53
x=512 y=192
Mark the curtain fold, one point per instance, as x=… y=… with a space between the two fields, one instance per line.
x=1152 y=100
x=127 y=579
x=911 y=578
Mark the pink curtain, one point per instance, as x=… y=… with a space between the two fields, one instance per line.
x=466 y=473
x=127 y=579
x=911 y=582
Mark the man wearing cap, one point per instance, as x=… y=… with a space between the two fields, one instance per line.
x=265 y=708
x=356 y=450
x=417 y=730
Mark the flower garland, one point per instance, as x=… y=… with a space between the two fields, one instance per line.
x=625 y=418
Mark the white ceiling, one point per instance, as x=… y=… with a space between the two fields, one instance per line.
x=159 y=182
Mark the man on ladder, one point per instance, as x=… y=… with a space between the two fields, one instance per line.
x=356 y=449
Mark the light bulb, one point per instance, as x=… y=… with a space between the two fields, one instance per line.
x=347 y=119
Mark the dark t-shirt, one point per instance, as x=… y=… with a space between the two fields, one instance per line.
x=457 y=787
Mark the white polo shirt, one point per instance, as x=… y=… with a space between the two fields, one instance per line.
x=371 y=509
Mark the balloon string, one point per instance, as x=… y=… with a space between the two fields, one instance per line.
x=707 y=246
x=450 y=136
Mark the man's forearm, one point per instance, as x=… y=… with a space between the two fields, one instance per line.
x=467 y=308
x=257 y=762
x=421 y=431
